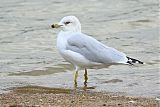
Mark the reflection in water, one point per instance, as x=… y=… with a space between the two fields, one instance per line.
x=47 y=71
x=113 y=81
x=85 y=86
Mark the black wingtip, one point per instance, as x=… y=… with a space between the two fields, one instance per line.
x=132 y=60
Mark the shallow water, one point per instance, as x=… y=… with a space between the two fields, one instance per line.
x=28 y=54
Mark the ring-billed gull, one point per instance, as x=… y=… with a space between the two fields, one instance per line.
x=83 y=51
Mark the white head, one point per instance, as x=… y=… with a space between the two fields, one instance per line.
x=69 y=23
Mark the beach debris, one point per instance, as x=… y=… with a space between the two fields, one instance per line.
x=131 y=101
x=157 y=99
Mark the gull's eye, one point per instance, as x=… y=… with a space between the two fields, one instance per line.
x=66 y=23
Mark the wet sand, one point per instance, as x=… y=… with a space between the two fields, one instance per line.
x=36 y=96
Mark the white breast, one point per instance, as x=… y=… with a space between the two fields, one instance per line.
x=70 y=56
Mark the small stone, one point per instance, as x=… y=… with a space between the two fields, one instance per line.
x=40 y=100
x=119 y=104
x=35 y=106
x=72 y=101
x=114 y=96
x=104 y=104
x=157 y=99
x=59 y=101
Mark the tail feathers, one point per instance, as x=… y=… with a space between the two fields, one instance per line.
x=132 y=61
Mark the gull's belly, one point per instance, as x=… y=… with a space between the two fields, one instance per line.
x=77 y=59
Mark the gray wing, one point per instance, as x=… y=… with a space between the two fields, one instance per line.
x=93 y=50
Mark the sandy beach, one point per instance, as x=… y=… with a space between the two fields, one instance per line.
x=36 y=96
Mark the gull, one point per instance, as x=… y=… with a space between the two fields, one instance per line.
x=83 y=51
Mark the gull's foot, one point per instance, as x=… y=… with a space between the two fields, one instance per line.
x=85 y=76
x=75 y=84
x=75 y=79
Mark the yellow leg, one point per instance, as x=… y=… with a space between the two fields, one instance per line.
x=85 y=76
x=75 y=77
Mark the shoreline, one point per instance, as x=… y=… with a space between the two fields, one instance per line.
x=37 y=96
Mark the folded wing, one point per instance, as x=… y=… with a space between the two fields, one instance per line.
x=93 y=50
